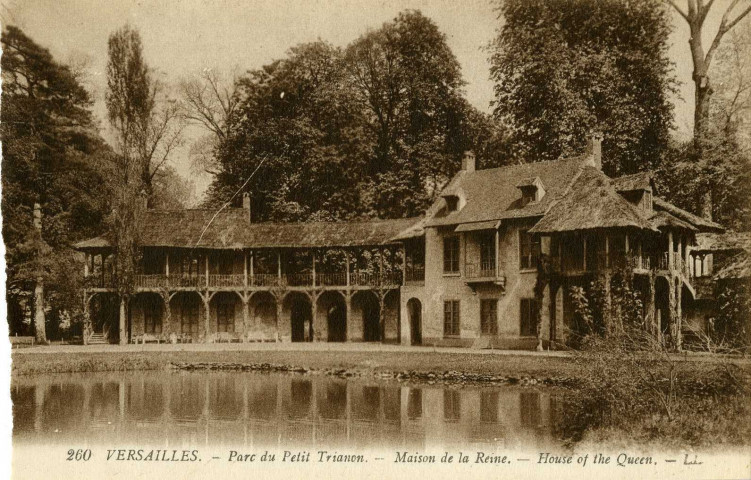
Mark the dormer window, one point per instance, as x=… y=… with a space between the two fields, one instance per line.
x=532 y=190
x=452 y=203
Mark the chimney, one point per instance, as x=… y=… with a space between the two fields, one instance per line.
x=468 y=161
x=38 y=217
x=594 y=149
x=144 y=199
x=246 y=204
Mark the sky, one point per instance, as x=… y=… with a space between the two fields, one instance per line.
x=183 y=37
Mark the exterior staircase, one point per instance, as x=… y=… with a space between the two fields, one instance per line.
x=97 y=338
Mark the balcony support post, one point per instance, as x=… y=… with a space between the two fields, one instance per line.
x=313 y=255
x=680 y=253
x=86 y=266
x=252 y=262
x=670 y=250
x=404 y=264
x=207 y=269
x=279 y=265
x=166 y=263
x=607 y=251
x=346 y=262
x=627 y=245
x=380 y=265
x=584 y=253
x=495 y=252
x=245 y=269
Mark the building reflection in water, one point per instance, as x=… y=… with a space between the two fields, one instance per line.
x=191 y=409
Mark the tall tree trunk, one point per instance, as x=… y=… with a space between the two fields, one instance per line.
x=39 y=320
x=702 y=97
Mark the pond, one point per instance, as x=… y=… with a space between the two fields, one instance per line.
x=240 y=409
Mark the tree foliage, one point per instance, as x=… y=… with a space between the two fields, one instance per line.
x=370 y=130
x=563 y=68
x=53 y=155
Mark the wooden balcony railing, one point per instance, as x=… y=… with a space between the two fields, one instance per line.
x=323 y=279
x=480 y=270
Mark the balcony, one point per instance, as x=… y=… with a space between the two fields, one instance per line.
x=484 y=272
x=237 y=281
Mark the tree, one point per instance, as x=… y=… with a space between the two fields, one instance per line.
x=211 y=102
x=563 y=68
x=53 y=155
x=695 y=15
x=147 y=130
x=408 y=83
x=724 y=170
x=146 y=125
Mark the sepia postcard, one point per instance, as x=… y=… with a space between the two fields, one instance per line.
x=376 y=238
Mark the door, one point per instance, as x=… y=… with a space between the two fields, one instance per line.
x=414 y=308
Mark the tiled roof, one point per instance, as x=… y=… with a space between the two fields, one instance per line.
x=230 y=229
x=492 y=194
x=592 y=203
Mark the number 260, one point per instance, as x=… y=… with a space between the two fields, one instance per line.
x=79 y=455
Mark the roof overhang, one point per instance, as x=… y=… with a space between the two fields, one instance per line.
x=477 y=226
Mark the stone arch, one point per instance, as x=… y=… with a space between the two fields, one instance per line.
x=390 y=316
x=104 y=314
x=366 y=307
x=263 y=321
x=147 y=314
x=225 y=312
x=187 y=313
x=298 y=308
x=331 y=317
x=414 y=310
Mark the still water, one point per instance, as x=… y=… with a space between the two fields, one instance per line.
x=193 y=409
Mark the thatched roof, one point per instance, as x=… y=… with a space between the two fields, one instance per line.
x=701 y=224
x=637 y=181
x=592 y=203
x=231 y=229
x=661 y=219
x=716 y=242
x=738 y=267
x=492 y=194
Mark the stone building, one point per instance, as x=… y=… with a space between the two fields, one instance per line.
x=465 y=274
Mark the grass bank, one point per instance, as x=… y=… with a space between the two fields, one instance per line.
x=370 y=362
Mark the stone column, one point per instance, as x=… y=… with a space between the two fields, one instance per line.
x=348 y=305
x=123 y=327
x=381 y=316
x=651 y=306
x=671 y=308
x=166 y=326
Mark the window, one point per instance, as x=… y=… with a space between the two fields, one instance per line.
x=528 y=196
x=189 y=315
x=451 y=318
x=452 y=203
x=225 y=316
x=528 y=327
x=451 y=254
x=529 y=250
x=152 y=316
x=489 y=317
x=452 y=406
